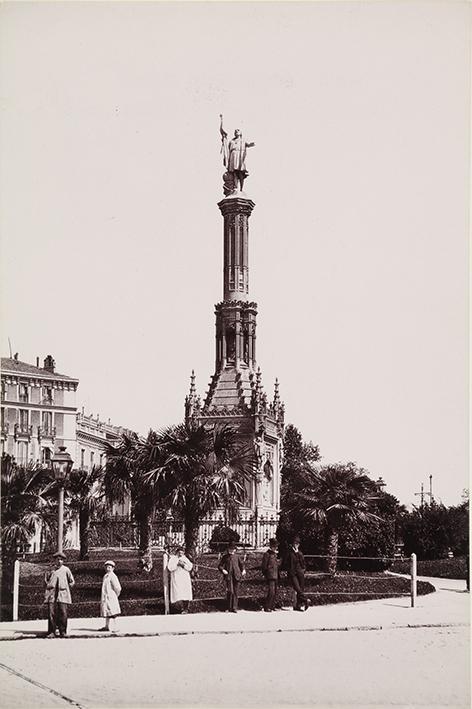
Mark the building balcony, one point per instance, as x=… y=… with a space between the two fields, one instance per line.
x=46 y=432
x=23 y=431
x=4 y=430
x=47 y=401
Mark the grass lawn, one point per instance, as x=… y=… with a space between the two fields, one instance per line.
x=143 y=593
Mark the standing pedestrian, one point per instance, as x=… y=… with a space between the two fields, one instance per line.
x=109 y=603
x=59 y=581
x=232 y=568
x=180 y=567
x=270 y=569
x=296 y=574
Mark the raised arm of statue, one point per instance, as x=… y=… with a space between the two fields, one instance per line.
x=224 y=142
x=222 y=130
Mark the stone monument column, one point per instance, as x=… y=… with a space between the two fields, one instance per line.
x=235 y=316
x=236 y=211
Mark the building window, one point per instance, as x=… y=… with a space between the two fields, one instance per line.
x=46 y=457
x=92 y=456
x=47 y=396
x=47 y=422
x=22 y=453
x=4 y=391
x=101 y=459
x=23 y=393
x=23 y=419
x=82 y=458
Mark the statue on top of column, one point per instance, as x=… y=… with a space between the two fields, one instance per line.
x=234 y=159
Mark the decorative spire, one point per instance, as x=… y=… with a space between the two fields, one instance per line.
x=192 y=384
x=276 y=394
x=258 y=380
x=191 y=398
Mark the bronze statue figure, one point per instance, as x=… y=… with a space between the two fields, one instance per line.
x=234 y=159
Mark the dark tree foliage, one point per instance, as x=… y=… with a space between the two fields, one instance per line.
x=25 y=504
x=374 y=538
x=298 y=460
x=431 y=531
x=372 y=533
x=221 y=536
x=204 y=469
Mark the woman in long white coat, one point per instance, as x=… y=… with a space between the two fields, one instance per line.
x=109 y=604
x=180 y=567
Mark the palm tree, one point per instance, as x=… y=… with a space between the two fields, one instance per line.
x=334 y=495
x=204 y=469
x=25 y=503
x=86 y=496
x=127 y=475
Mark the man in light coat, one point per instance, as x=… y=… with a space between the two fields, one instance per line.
x=59 y=581
x=179 y=567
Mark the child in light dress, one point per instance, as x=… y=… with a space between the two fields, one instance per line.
x=109 y=604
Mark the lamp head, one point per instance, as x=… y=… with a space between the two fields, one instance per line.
x=62 y=464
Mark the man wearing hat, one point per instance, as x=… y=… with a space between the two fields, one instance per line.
x=232 y=568
x=270 y=569
x=296 y=574
x=59 y=581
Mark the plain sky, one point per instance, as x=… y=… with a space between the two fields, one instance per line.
x=112 y=239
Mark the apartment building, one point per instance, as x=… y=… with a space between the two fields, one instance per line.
x=38 y=410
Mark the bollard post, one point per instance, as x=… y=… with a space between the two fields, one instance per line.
x=413 y=579
x=165 y=582
x=16 y=588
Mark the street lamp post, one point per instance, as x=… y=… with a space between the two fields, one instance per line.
x=62 y=465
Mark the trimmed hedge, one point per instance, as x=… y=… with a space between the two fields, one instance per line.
x=142 y=593
x=454 y=568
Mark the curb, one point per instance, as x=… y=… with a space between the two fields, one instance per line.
x=175 y=633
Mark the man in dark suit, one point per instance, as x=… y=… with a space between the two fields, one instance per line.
x=296 y=574
x=232 y=568
x=270 y=569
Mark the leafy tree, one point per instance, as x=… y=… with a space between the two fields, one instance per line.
x=332 y=497
x=459 y=528
x=86 y=497
x=24 y=503
x=127 y=475
x=203 y=468
x=375 y=537
x=299 y=459
x=430 y=531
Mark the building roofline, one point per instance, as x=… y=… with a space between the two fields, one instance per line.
x=32 y=372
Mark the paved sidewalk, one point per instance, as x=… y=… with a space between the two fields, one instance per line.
x=448 y=606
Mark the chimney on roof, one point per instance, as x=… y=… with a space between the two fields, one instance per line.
x=37 y=361
x=49 y=364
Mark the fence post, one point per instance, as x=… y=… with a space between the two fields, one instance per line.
x=165 y=582
x=413 y=579
x=16 y=588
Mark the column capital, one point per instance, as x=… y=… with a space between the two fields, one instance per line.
x=236 y=205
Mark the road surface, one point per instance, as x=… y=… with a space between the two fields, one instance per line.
x=418 y=667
